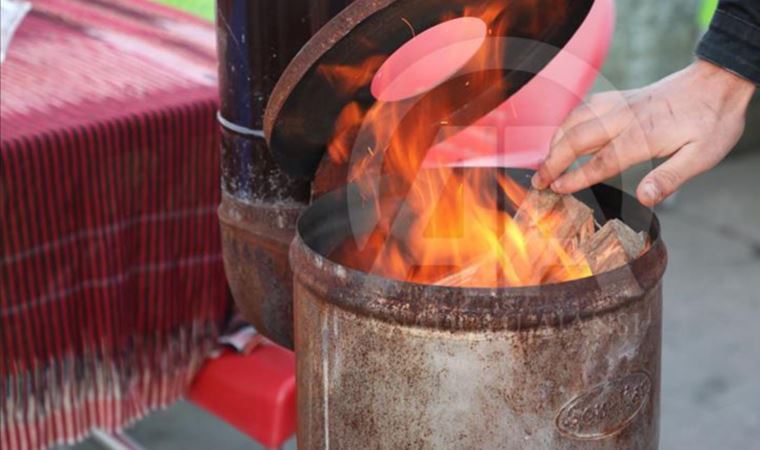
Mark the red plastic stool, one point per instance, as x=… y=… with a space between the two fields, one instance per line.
x=254 y=391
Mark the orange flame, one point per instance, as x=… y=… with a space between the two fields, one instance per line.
x=456 y=226
x=339 y=147
x=348 y=79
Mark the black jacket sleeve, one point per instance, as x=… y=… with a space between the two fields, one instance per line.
x=733 y=40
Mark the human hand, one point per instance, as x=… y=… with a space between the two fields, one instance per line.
x=693 y=117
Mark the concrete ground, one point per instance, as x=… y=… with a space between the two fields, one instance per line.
x=711 y=357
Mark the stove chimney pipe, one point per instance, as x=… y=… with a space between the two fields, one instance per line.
x=256 y=39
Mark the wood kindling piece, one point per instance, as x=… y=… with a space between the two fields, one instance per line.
x=560 y=236
x=614 y=245
x=549 y=224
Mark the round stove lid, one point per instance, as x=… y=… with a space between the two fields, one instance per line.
x=486 y=50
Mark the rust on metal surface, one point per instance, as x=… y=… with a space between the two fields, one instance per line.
x=256 y=40
x=260 y=205
x=250 y=175
x=458 y=309
x=374 y=384
x=384 y=363
x=606 y=408
x=255 y=241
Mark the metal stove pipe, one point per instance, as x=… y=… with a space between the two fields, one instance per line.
x=256 y=39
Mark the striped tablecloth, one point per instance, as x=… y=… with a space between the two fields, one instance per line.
x=111 y=280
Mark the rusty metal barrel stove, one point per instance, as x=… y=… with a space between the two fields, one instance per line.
x=388 y=364
x=394 y=365
x=260 y=203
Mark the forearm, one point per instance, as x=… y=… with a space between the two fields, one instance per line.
x=733 y=40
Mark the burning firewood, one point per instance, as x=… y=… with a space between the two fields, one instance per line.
x=560 y=242
x=614 y=245
x=537 y=204
x=575 y=220
x=553 y=226
x=550 y=227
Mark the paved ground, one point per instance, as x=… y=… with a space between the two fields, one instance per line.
x=711 y=361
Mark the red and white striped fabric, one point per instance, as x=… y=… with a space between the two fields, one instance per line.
x=111 y=280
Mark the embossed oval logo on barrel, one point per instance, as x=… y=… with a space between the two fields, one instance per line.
x=606 y=409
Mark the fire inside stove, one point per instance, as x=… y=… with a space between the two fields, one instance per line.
x=478 y=227
x=451 y=226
